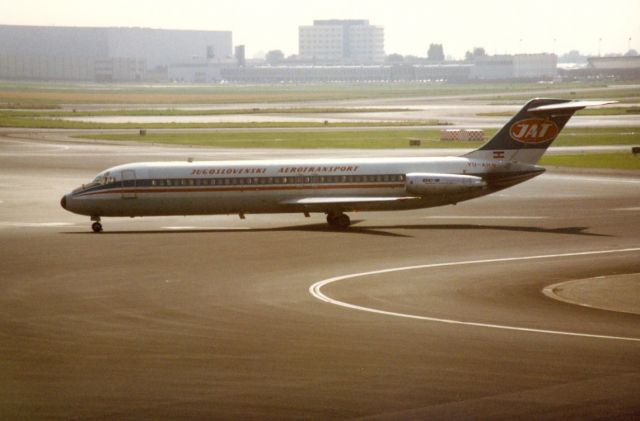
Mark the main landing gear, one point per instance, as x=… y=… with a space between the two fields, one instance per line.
x=338 y=220
x=96 y=226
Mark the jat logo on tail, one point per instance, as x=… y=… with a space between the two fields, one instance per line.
x=533 y=130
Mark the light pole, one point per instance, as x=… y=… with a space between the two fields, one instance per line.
x=599 y=47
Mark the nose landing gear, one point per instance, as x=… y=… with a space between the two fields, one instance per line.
x=96 y=226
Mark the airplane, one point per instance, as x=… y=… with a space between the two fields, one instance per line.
x=330 y=186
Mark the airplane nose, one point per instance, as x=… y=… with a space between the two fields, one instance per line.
x=63 y=202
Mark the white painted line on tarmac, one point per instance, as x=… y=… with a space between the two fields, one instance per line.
x=36 y=224
x=315 y=291
x=550 y=291
x=605 y=179
x=485 y=217
x=627 y=209
x=178 y=228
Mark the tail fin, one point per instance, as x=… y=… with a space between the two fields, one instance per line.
x=529 y=133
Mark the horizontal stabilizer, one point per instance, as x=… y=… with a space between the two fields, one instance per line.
x=571 y=106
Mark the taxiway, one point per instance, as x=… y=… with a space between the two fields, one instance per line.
x=212 y=317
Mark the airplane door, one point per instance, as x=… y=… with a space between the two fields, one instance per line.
x=128 y=184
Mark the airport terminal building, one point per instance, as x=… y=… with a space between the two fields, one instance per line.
x=330 y=51
x=519 y=66
x=337 y=41
x=102 y=54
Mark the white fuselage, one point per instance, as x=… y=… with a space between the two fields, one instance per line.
x=270 y=186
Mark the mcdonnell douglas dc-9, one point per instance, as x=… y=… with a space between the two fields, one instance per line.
x=331 y=186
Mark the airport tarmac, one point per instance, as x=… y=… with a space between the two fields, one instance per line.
x=429 y=314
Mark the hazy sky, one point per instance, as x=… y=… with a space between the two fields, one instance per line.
x=500 y=26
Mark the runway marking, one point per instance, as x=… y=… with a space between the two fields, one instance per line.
x=485 y=217
x=36 y=224
x=315 y=290
x=617 y=209
x=606 y=179
x=550 y=291
x=178 y=228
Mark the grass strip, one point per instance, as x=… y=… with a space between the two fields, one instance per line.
x=383 y=139
x=35 y=94
x=191 y=112
x=46 y=123
x=586 y=111
x=617 y=161
x=370 y=139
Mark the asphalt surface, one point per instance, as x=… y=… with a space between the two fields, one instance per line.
x=213 y=317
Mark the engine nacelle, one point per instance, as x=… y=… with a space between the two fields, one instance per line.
x=423 y=184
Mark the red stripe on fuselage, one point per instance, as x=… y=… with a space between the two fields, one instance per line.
x=194 y=189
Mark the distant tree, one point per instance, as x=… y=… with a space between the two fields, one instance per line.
x=410 y=59
x=435 y=53
x=395 y=58
x=631 y=53
x=572 y=56
x=477 y=52
x=274 y=57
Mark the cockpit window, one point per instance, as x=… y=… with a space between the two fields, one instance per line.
x=102 y=180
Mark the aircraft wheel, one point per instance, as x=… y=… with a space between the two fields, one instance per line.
x=343 y=221
x=331 y=219
x=338 y=221
x=96 y=227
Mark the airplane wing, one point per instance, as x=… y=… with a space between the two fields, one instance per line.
x=344 y=201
